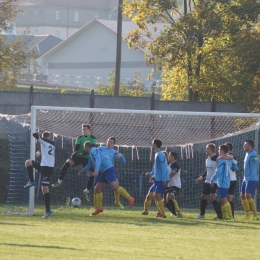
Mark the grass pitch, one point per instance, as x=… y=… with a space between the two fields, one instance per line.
x=70 y=233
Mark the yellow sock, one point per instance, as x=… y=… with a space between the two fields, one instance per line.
x=228 y=210
x=147 y=204
x=161 y=207
x=95 y=201
x=99 y=199
x=224 y=212
x=177 y=209
x=252 y=205
x=246 y=208
x=157 y=205
x=123 y=192
x=117 y=195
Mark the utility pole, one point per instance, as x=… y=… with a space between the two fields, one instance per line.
x=118 y=48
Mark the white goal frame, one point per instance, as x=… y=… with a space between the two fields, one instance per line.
x=118 y=111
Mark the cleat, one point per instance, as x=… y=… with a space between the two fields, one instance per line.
x=47 y=214
x=96 y=212
x=30 y=184
x=200 y=216
x=160 y=216
x=216 y=218
x=119 y=205
x=256 y=217
x=179 y=215
x=144 y=213
x=56 y=185
x=131 y=202
x=228 y=220
x=246 y=217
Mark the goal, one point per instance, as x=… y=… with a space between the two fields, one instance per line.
x=187 y=133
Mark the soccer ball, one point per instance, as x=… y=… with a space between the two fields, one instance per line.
x=76 y=202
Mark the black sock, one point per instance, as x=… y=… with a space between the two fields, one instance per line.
x=47 y=200
x=64 y=169
x=216 y=207
x=30 y=173
x=90 y=182
x=168 y=206
x=172 y=207
x=220 y=211
x=203 y=205
x=232 y=208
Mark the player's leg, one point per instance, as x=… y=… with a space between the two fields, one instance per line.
x=204 y=200
x=91 y=178
x=148 y=200
x=30 y=164
x=250 y=192
x=117 y=198
x=98 y=198
x=69 y=163
x=174 y=193
x=225 y=205
x=158 y=196
x=168 y=201
x=231 y=192
x=244 y=200
x=213 y=199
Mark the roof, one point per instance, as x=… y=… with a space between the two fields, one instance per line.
x=40 y=43
x=109 y=24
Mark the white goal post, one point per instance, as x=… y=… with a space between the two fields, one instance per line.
x=175 y=128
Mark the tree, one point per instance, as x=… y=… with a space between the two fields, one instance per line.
x=193 y=50
x=14 y=57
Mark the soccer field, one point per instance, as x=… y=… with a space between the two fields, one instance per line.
x=70 y=233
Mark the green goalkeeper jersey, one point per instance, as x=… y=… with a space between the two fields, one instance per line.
x=80 y=143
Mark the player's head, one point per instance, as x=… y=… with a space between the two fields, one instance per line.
x=111 y=141
x=210 y=149
x=248 y=145
x=156 y=144
x=85 y=129
x=223 y=149
x=230 y=146
x=46 y=135
x=172 y=156
x=87 y=146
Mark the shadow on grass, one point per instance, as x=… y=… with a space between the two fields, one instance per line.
x=13 y=224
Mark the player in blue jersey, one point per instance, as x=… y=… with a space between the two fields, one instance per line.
x=161 y=177
x=250 y=182
x=105 y=171
x=222 y=176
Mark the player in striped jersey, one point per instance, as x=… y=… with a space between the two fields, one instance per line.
x=46 y=167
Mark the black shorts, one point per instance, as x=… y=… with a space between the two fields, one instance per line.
x=45 y=171
x=207 y=189
x=232 y=187
x=172 y=190
x=78 y=159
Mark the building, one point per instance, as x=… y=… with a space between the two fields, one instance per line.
x=61 y=18
x=88 y=57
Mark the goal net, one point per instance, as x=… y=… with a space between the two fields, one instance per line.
x=187 y=133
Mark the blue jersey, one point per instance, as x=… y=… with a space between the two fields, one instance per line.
x=160 y=171
x=251 y=163
x=98 y=160
x=110 y=154
x=222 y=174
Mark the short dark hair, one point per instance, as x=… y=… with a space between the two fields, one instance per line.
x=112 y=138
x=250 y=142
x=174 y=154
x=229 y=145
x=157 y=142
x=86 y=125
x=46 y=134
x=224 y=148
x=212 y=146
x=89 y=144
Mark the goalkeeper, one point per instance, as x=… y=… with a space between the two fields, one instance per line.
x=79 y=156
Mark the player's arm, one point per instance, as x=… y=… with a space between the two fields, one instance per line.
x=87 y=167
x=77 y=145
x=234 y=166
x=120 y=158
x=36 y=135
x=219 y=170
x=174 y=170
x=201 y=177
x=226 y=157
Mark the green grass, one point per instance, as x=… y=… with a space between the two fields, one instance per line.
x=72 y=234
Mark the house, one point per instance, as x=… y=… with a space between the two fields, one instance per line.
x=88 y=57
x=61 y=18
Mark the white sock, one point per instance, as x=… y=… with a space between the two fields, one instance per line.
x=59 y=181
x=86 y=190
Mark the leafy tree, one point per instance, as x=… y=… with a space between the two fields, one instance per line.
x=14 y=57
x=195 y=50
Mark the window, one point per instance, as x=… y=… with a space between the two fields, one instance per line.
x=57 y=15
x=76 y=16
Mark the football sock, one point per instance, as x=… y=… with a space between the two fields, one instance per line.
x=47 y=200
x=95 y=201
x=219 y=210
x=228 y=210
x=203 y=205
x=157 y=205
x=252 y=205
x=216 y=207
x=64 y=169
x=246 y=208
x=99 y=199
x=232 y=208
x=147 y=204
x=90 y=182
x=172 y=207
x=30 y=173
x=123 y=192
x=116 y=195
x=176 y=205
x=161 y=207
